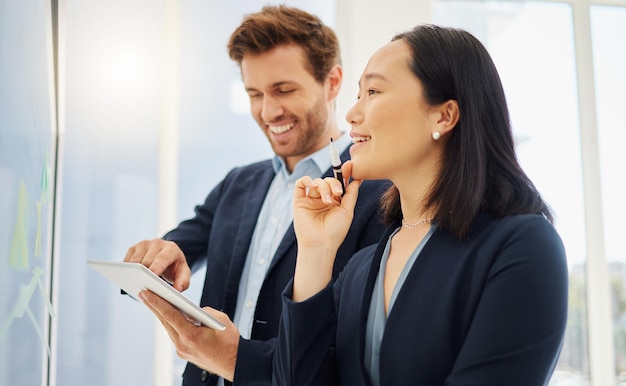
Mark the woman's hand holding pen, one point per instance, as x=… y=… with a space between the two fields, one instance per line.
x=321 y=218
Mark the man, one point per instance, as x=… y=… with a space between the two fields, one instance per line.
x=290 y=66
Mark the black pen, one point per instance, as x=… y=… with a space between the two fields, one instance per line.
x=336 y=162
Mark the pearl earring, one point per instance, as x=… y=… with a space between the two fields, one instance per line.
x=436 y=135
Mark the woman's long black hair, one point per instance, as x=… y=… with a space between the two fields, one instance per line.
x=480 y=170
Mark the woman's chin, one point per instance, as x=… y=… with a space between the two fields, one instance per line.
x=359 y=173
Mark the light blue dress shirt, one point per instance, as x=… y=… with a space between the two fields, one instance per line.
x=274 y=219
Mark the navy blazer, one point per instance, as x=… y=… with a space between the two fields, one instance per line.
x=219 y=236
x=490 y=310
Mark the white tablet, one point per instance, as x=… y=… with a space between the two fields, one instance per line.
x=133 y=278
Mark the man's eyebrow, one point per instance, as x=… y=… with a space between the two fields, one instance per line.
x=284 y=83
x=276 y=85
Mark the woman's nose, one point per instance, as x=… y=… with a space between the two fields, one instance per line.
x=353 y=116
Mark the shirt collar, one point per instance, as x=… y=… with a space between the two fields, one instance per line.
x=320 y=158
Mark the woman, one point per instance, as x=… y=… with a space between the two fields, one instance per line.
x=469 y=284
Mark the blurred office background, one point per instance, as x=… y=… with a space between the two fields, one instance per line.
x=118 y=117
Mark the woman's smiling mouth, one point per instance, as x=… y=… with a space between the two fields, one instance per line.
x=359 y=139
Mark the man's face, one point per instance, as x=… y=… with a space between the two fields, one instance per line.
x=290 y=106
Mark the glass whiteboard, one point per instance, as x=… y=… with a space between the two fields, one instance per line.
x=27 y=157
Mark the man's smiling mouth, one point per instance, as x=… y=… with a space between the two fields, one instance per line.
x=281 y=129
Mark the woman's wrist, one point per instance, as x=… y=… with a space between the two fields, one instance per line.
x=314 y=270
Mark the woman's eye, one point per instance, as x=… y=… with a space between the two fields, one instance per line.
x=371 y=92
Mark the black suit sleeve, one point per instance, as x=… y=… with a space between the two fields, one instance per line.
x=311 y=326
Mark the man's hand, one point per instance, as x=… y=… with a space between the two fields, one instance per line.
x=164 y=258
x=209 y=349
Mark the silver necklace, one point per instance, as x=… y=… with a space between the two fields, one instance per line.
x=415 y=225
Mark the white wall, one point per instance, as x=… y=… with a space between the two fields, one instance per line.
x=363 y=26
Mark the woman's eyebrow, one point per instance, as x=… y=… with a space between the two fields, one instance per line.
x=372 y=75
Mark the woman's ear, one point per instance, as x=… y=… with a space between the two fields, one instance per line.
x=449 y=115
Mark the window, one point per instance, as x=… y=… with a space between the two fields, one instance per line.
x=108 y=188
x=608 y=27
x=533 y=46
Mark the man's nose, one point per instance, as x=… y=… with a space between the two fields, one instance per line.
x=271 y=108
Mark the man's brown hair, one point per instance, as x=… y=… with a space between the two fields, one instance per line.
x=278 y=25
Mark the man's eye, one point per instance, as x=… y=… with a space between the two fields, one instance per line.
x=371 y=92
x=283 y=92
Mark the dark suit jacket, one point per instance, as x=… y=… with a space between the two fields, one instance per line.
x=490 y=310
x=219 y=236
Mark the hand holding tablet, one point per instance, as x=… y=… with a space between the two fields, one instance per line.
x=135 y=277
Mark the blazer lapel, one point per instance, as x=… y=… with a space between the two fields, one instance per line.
x=289 y=239
x=258 y=186
x=290 y=236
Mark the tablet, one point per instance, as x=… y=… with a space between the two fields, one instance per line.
x=133 y=278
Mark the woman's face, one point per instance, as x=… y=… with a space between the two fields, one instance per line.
x=391 y=122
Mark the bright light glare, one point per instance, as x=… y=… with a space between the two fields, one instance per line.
x=125 y=77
